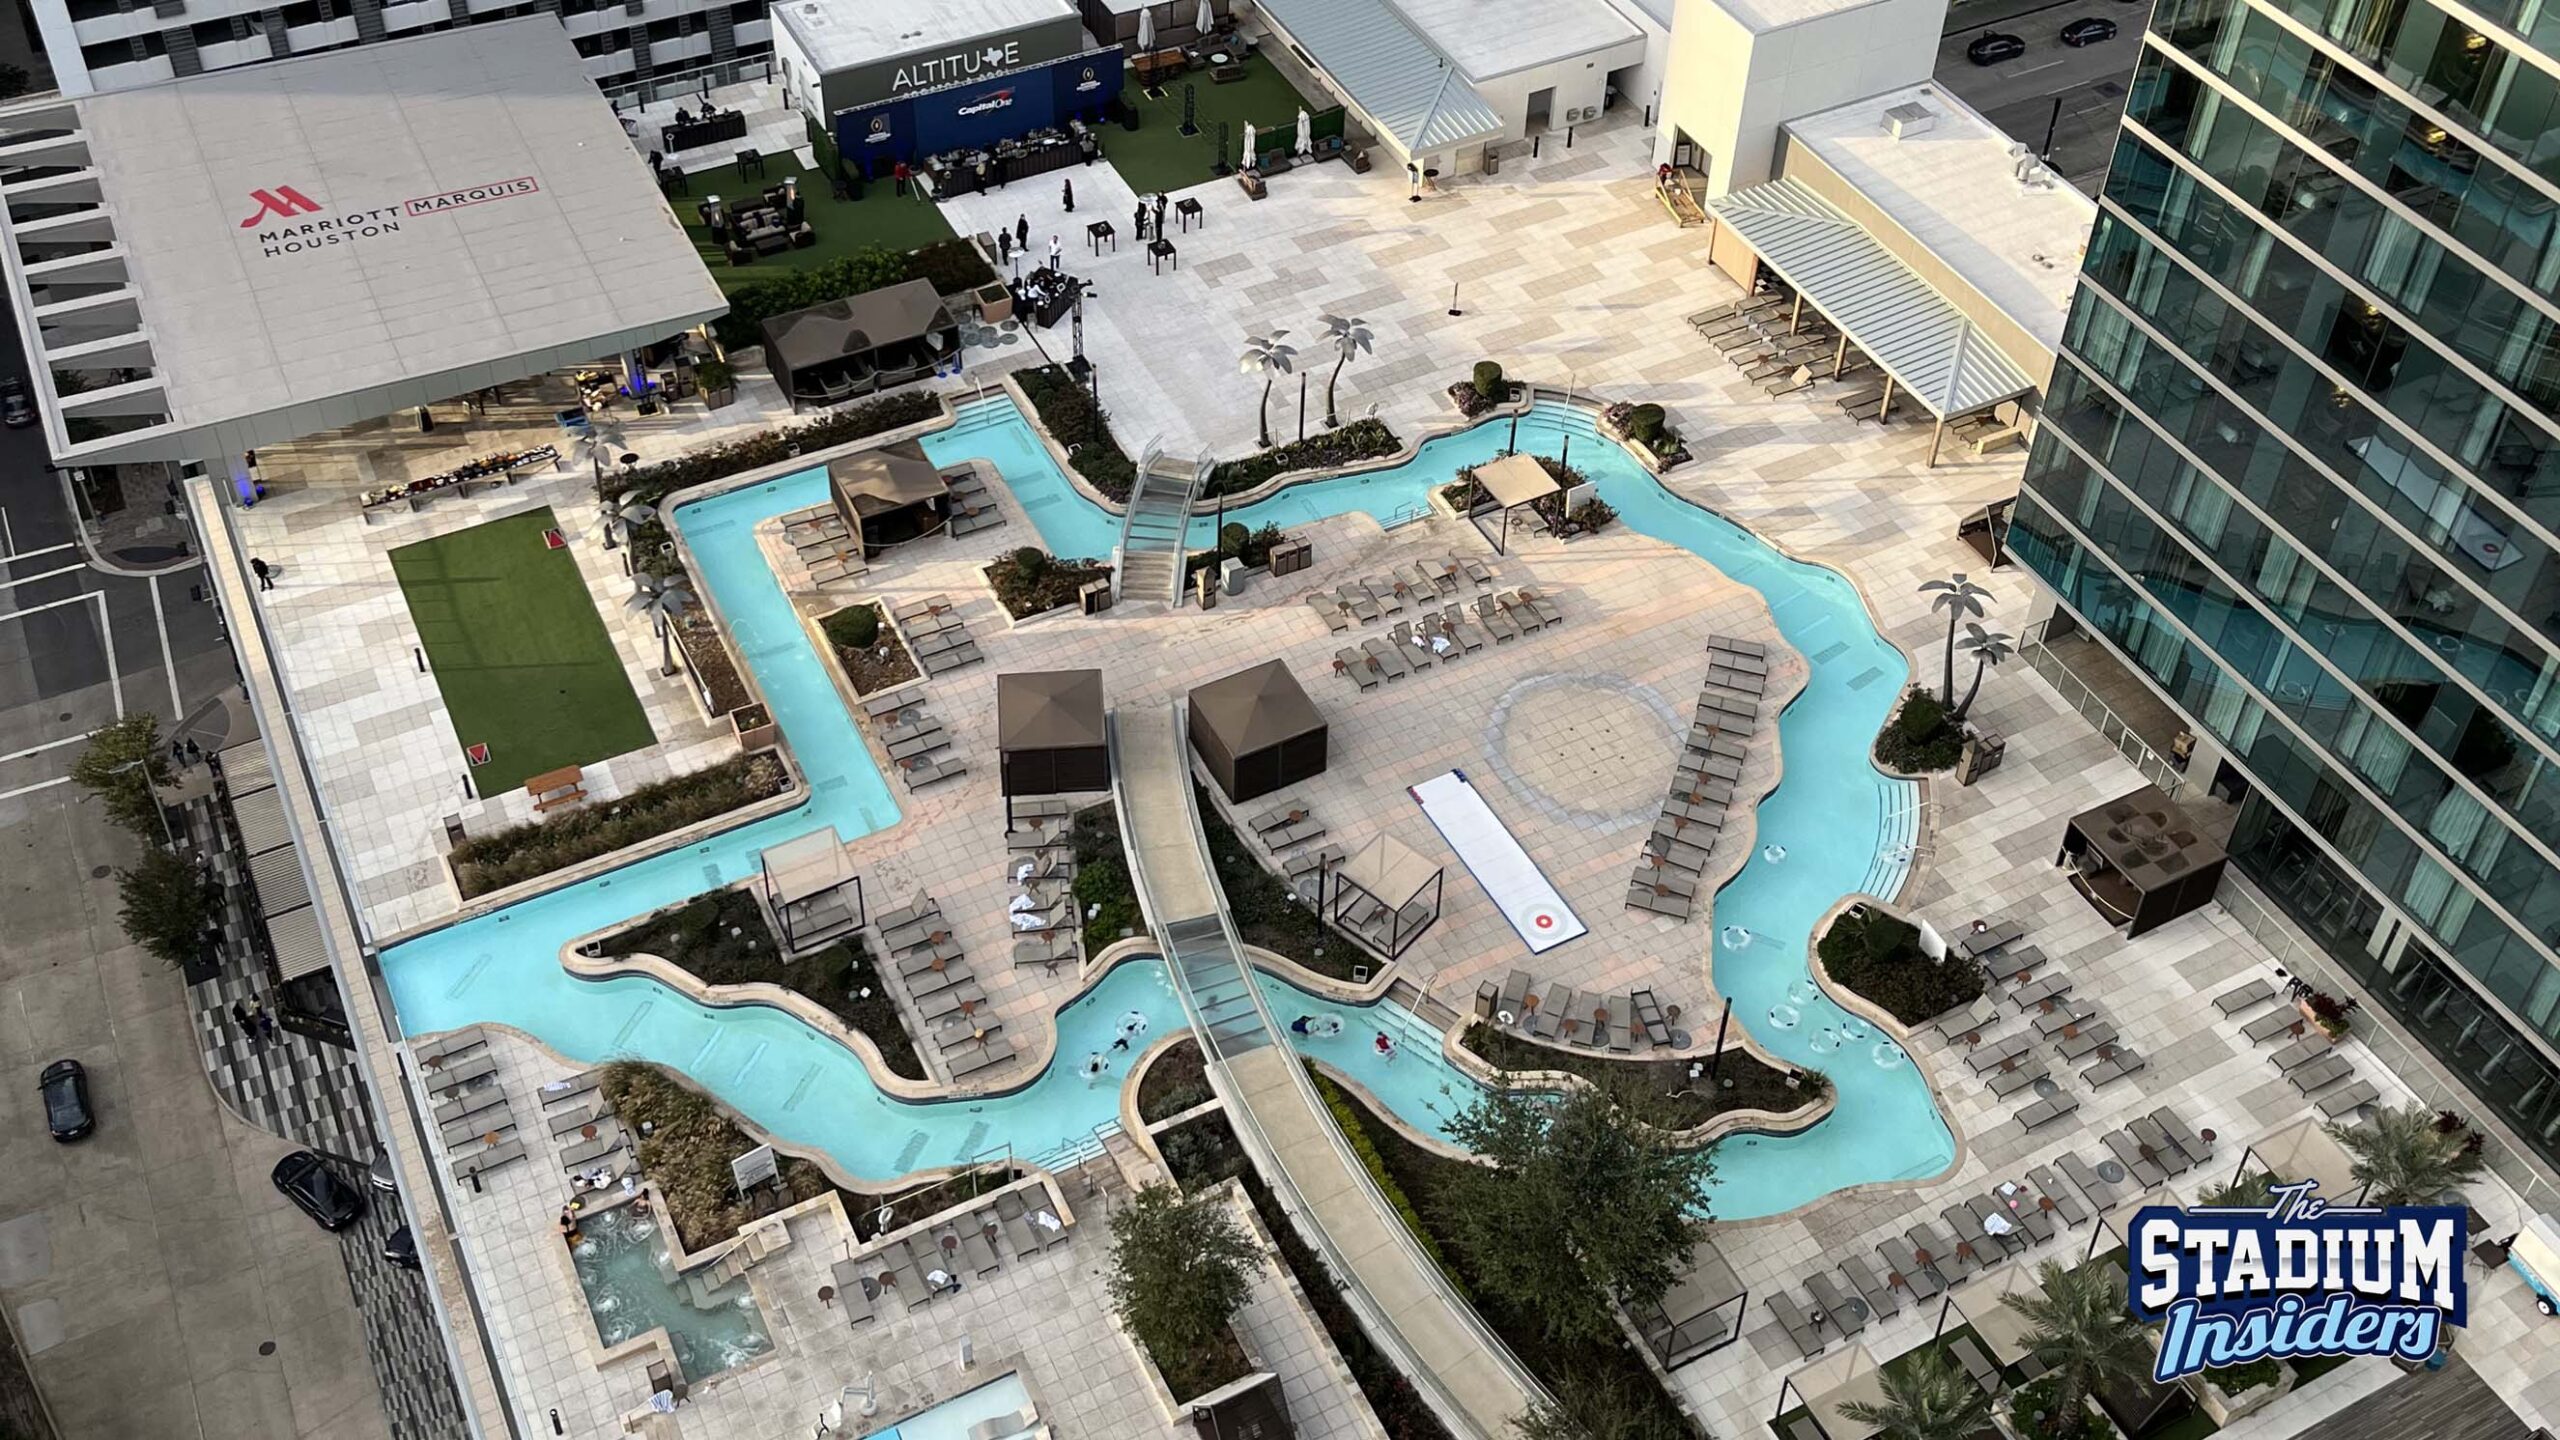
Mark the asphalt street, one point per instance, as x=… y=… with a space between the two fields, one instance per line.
x=79 y=646
x=2019 y=95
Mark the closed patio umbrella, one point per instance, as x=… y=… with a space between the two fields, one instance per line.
x=1206 y=19
x=1306 y=132
x=1146 y=27
x=1248 y=145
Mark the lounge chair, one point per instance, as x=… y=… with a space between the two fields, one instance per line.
x=1965 y=1020
x=854 y=1292
x=1389 y=663
x=2006 y=1083
x=1331 y=610
x=1649 y=1016
x=2114 y=1067
x=479 y=1162
x=2300 y=1053
x=1475 y=569
x=1665 y=852
x=2322 y=1073
x=1362 y=670
x=1546 y=609
x=1557 y=1007
x=1801 y=378
x=1954 y=1266
x=1358 y=603
x=1985 y=1251
x=2041 y=1112
x=1514 y=995
x=2092 y=1037
x=1522 y=615
x=2179 y=1135
x=1052 y=949
x=924 y=770
x=1418 y=653
x=1387 y=595
x=1984 y=942
x=1976 y=1365
x=1453 y=623
x=1806 y=1335
x=1497 y=621
x=2049 y=1187
x=1658 y=899
x=2337 y=1104
x=1882 y=1297
x=1847 y=1315
x=2145 y=1170
x=1904 y=1271
x=2243 y=996
x=2100 y=1190
x=2274 y=1023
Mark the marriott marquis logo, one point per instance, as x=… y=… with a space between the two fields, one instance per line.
x=284 y=202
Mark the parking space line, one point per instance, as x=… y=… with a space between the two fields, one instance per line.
x=168 y=662
x=49 y=574
x=40 y=749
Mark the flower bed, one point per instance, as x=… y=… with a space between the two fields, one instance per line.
x=1031 y=581
x=722 y=939
x=698 y=636
x=1360 y=440
x=1742 y=1082
x=871 y=654
x=505 y=857
x=772 y=447
x=1067 y=411
x=1920 y=739
x=1878 y=956
x=686 y=1149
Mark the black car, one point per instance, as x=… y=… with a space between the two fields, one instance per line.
x=1991 y=47
x=401 y=1248
x=16 y=411
x=65 y=1087
x=2088 y=30
x=316 y=1191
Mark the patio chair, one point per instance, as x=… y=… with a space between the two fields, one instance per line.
x=1882 y=1297
x=2322 y=1073
x=1546 y=609
x=2337 y=1104
x=1384 y=656
x=2050 y=1188
x=1358 y=603
x=1847 y=1314
x=1513 y=998
x=1331 y=611
x=1800 y=379
x=2243 y=996
x=1803 y=1331
x=2274 y=1023
x=1497 y=621
x=1474 y=569
x=2300 y=1053
x=1387 y=595
x=1361 y=670
x=1904 y=1271
x=2129 y=1152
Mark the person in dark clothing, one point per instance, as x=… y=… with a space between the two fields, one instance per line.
x=1138 y=222
x=266 y=576
x=1004 y=246
x=1067 y=195
x=1159 y=214
x=240 y=1015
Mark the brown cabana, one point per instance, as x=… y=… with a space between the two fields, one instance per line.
x=1386 y=894
x=889 y=495
x=1257 y=731
x=2141 y=861
x=1507 y=484
x=1049 y=735
x=830 y=353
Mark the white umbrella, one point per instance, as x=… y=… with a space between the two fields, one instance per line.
x=1248 y=145
x=1146 y=27
x=1206 y=20
x=1306 y=132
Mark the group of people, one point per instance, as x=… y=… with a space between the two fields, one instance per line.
x=255 y=1020
x=1148 y=223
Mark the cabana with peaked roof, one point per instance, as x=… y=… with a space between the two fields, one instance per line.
x=1507 y=484
x=889 y=495
x=1257 y=731
x=830 y=353
x=1049 y=734
x=1390 y=875
x=812 y=889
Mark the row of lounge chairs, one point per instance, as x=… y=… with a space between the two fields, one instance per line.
x=1366 y=602
x=594 y=1149
x=1445 y=636
x=939 y=1257
x=925 y=952
x=471 y=1110
x=1040 y=865
x=2307 y=1059
x=2076 y=1027
x=821 y=541
x=972 y=508
x=1980 y=1232
x=1669 y=869
x=936 y=635
x=1286 y=824
x=1592 y=1020
x=917 y=743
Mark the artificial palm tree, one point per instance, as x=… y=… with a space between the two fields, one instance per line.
x=1925 y=1398
x=1266 y=356
x=663 y=598
x=1988 y=648
x=625 y=516
x=2081 y=1331
x=1962 y=600
x=2407 y=1156
x=1350 y=336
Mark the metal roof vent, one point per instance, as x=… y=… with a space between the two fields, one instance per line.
x=1908 y=119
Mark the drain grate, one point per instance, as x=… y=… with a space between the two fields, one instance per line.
x=1834 y=651
x=1866 y=677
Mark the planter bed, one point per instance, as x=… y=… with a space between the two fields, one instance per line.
x=1878 y=956
x=1104 y=893
x=698 y=636
x=772 y=447
x=882 y=665
x=1919 y=739
x=506 y=857
x=1268 y=914
x=722 y=939
x=1688 y=1103
x=1176 y=1081
x=1360 y=440
x=687 y=1150
x=1066 y=412
x=1026 y=586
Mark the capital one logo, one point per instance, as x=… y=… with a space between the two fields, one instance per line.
x=282 y=203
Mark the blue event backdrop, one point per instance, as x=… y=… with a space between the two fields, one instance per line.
x=979 y=112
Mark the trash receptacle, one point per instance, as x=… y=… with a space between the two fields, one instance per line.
x=1492 y=161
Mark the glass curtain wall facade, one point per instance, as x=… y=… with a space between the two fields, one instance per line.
x=2300 y=467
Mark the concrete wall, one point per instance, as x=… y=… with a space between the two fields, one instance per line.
x=1729 y=89
x=1580 y=83
x=1798 y=163
x=800 y=80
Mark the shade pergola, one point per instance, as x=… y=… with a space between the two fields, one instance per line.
x=1925 y=346
x=1508 y=483
x=2003 y=1331
x=1257 y=731
x=1049 y=734
x=888 y=495
x=1389 y=872
x=1844 y=1377
x=2141 y=861
x=2117 y=1222
x=811 y=886
x=1700 y=1314
x=2304 y=1150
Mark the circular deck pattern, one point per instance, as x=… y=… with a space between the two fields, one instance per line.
x=1593 y=750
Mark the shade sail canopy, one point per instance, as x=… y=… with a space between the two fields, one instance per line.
x=2303 y=1150
x=1388 y=869
x=1257 y=731
x=854 y=327
x=1848 y=1377
x=885 y=481
x=811 y=865
x=1515 y=480
x=1048 y=709
x=1913 y=333
x=2005 y=1332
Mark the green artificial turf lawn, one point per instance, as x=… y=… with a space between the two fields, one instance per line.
x=881 y=217
x=518 y=650
x=1157 y=156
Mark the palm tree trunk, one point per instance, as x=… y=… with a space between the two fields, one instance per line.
x=1265 y=416
x=1330 y=419
x=1947 y=686
x=1970 y=691
x=666 y=647
x=2066 y=1402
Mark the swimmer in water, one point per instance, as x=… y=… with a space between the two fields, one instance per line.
x=1385 y=1046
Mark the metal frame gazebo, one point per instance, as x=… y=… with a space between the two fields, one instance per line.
x=1391 y=874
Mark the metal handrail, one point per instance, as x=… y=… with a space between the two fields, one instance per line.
x=1381 y=1328
x=2109 y=725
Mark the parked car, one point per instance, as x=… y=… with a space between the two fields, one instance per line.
x=2088 y=30
x=401 y=1248
x=16 y=411
x=380 y=1174
x=65 y=1087
x=316 y=1191
x=1992 y=46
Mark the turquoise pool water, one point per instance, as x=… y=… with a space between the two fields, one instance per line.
x=617 y=1258
x=1834 y=826
x=951 y=1419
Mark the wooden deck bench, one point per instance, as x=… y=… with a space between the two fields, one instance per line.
x=554 y=788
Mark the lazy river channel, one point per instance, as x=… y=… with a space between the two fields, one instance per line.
x=1834 y=826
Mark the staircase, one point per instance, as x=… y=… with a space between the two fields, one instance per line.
x=1152 y=528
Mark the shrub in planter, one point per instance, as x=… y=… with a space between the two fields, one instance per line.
x=1488 y=381
x=857 y=626
x=1360 y=440
x=1068 y=412
x=653 y=483
x=2328 y=1012
x=1594 y=516
x=1232 y=537
x=715 y=376
x=1030 y=580
x=1920 y=738
x=954 y=266
x=1180 y=1269
x=1644 y=425
x=1879 y=957
x=503 y=857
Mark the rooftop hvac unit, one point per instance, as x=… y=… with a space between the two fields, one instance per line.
x=1908 y=119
